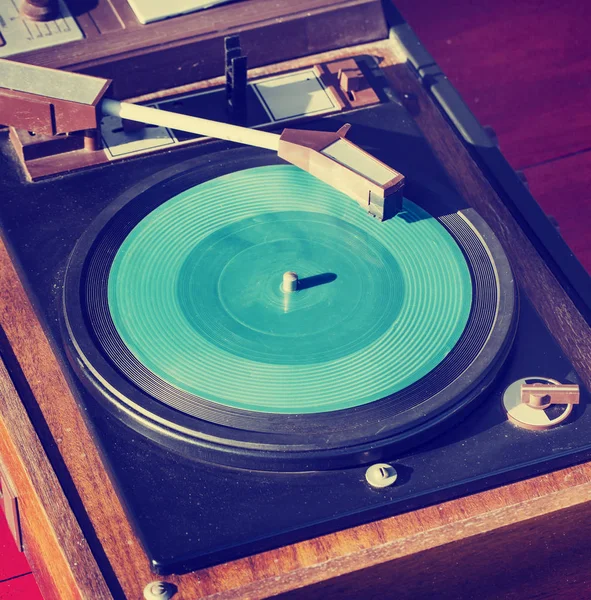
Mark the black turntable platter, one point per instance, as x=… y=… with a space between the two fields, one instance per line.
x=175 y=313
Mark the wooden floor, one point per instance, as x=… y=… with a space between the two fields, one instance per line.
x=525 y=69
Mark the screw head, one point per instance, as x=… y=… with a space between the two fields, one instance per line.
x=158 y=590
x=381 y=475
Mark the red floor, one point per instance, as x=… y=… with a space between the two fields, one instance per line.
x=525 y=69
x=16 y=581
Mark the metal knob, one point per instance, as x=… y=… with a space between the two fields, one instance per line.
x=39 y=10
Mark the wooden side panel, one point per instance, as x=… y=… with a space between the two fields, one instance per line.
x=481 y=566
x=54 y=544
x=453 y=551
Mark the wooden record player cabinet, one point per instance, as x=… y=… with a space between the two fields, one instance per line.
x=525 y=540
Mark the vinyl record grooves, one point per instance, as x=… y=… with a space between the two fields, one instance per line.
x=175 y=315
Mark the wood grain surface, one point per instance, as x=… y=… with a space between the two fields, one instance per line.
x=54 y=543
x=523 y=68
x=458 y=548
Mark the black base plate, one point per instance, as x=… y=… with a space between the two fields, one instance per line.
x=190 y=514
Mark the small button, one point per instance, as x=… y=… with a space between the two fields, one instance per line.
x=381 y=475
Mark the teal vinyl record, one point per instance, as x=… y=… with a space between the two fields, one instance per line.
x=177 y=318
x=195 y=293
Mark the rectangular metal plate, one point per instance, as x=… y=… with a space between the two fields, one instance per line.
x=52 y=83
x=148 y=11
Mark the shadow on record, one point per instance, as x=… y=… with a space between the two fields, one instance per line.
x=316 y=280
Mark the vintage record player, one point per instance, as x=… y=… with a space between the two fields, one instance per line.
x=223 y=354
